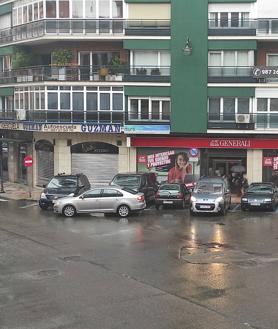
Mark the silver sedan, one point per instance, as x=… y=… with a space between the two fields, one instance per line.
x=103 y=199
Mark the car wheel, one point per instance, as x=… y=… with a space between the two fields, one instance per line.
x=123 y=211
x=69 y=211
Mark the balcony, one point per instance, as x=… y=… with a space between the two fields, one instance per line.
x=64 y=116
x=257 y=121
x=230 y=74
x=251 y=27
x=90 y=28
x=109 y=73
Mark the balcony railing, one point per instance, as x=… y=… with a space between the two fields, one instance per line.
x=230 y=74
x=267 y=26
x=83 y=27
x=86 y=73
x=251 y=121
x=64 y=116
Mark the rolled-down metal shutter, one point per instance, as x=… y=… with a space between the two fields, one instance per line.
x=45 y=166
x=99 y=168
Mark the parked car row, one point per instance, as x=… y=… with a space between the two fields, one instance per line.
x=131 y=192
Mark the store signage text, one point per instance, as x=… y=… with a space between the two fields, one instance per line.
x=268 y=161
x=101 y=128
x=10 y=125
x=265 y=72
x=230 y=143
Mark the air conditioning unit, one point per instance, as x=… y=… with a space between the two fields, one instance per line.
x=242 y=118
x=21 y=115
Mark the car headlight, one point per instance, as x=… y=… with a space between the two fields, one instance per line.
x=219 y=199
x=193 y=199
x=267 y=200
x=244 y=199
x=43 y=196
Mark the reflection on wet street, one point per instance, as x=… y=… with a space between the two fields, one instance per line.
x=213 y=271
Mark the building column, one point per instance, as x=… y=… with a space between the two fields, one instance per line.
x=127 y=159
x=12 y=162
x=254 y=165
x=30 y=169
x=62 y=157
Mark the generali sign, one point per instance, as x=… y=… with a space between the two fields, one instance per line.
x=199 y=143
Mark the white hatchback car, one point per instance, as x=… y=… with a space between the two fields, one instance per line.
x=121 y=201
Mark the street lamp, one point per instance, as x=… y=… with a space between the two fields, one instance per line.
x=187 y=49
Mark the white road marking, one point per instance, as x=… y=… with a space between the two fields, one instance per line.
x=3 y=200
x=29 y=205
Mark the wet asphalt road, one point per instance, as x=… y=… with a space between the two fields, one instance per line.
x=158 y=270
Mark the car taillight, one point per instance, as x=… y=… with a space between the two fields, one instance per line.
x=157 y=195
x=141 y=198
x=180 y=195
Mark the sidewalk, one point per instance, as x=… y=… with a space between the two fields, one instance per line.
x=15 y=191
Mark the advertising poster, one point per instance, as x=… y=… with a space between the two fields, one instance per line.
x=170 y=165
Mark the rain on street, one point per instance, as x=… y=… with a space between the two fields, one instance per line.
x=160 y=269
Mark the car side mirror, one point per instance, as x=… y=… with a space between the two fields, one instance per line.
x=44 y=185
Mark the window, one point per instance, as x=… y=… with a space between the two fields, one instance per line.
x=150 y=59
x=93 y=194
x=65 y=101
x=117 y=102
x=63 y=8
x=273 y=104
x=228 y=19
x=214 y=109
x=104 y=102
x=225 y=108
x=104 y=9
x=117 y=8
x=261 y=104
x=110 y=193
x=224 y=20
x=90 y=8
x=149 y=109
x=52 y=101
x=92 y=103
x=77 y=101
x=50 y=9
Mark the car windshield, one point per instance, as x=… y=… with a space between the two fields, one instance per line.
x=209 y=188
x=259 y=189
x=59 y=182
x=126 y=180
x=169 y=187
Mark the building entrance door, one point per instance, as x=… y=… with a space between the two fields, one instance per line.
x=223 y=167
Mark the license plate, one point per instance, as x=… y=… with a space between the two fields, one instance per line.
x=168 y=202
x=255 y=203
x=204 y=207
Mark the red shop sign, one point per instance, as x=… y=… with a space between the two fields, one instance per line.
x=222 y=143
x=275 y=163
x=267 y=161
x=142 y=159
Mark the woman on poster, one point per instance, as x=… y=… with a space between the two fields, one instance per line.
x=181 y=169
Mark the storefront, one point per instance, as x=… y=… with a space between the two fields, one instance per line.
x=257 y=158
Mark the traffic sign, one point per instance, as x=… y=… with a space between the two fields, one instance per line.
x=28 y=161
x=194 y=152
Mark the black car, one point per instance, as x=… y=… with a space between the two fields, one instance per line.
x=260 y=196
x=140 y=182
x=63 y=185
x=172 y=194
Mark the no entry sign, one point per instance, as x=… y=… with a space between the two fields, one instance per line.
x=28 y=161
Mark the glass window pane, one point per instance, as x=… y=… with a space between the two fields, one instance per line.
x=234 y=19
x=242 y=58
x=165 y=110
x=104 y=8
x=224 y=19
x=63 y=8
x=272 y=60
x=105 y=102
x=133 y=111
x=214 y=109
x=41 y=9
x=90 y=8
x=165 y=58
x=262 y=104
x=155 y=110
x=229 y=58
x=36 y=11
x=65 y=101
x=273 y=104
x=214 y=59
x=77 y=102
x=30 y=13
x=229 y=109
x=144 y=109
x=77 y=8
x=145 y=58
x=92 y=102
x=243 y=105
x=117 y=102
x=52 y=101
x=117 y=8
x=50 y=9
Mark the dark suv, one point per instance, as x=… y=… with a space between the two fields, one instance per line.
x=63 y=185
x=140 y=182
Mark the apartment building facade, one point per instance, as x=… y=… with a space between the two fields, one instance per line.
x=102 y=86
